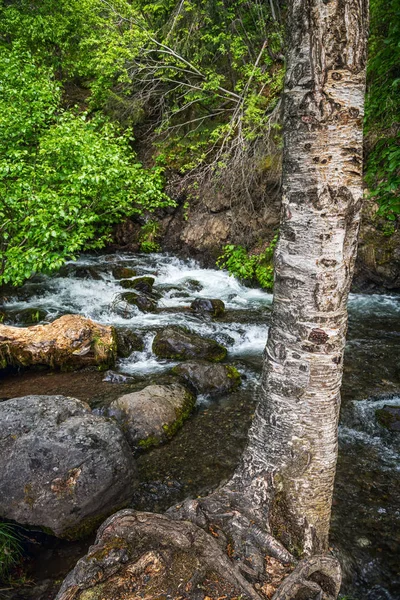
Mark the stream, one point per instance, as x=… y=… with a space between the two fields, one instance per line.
x=365 y=531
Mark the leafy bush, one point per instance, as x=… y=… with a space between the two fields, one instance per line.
x=149 y=234
x=254 y=268
x=65 y=179
x=383 y=106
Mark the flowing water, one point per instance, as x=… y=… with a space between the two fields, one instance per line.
x=366 y=512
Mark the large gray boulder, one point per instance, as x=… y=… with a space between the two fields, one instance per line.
x=62 y=468
x=154 y=414
x=179 y=344
x=209 y=378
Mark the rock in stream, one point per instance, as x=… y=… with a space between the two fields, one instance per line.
x=152 y=415
x=208 y=378
x=62 y=468
x=179 y=344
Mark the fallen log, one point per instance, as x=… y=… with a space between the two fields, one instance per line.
x=70 y=342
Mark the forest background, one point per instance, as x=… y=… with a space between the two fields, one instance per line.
x=135 y=109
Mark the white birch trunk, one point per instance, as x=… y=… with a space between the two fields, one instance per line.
x=288 y=468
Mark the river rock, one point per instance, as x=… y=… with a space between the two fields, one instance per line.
x=28 y=316
x=71 y=341
x=78 y=271
x=389 y=417
x=123 y=272
x=208 y=378
x=179 y=344
x=193 y=285
x=213 y=307
x=128 y=342
x=61 y=467
x=141 y=284
x=154 y=414
x=113 y=377
x=144 y=303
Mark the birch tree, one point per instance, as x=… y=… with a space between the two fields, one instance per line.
x=278 y=502
x=284 y=484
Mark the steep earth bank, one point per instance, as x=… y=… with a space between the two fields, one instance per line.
x=203 y=228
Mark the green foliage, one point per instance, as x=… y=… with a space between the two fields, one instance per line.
x=83 y=41
x=223 y=80
x=65 y=179
x=10 y=549
x=383 y=106
x=148 y=237
x=255 y=268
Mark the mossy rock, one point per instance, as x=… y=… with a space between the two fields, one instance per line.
x=213 y=307
x=144 y=303
x=180 y=344
x=128 y=342
x=141 y=284
x=28 y=316
x=208 y=378
x=77 y=271
x=123 y=272
x=70 y=342
x=153 y=415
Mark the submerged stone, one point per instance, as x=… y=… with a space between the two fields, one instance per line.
x=154 y=414
x=208 y=378
x=113 y=377
x=193 y=285
x=70 y=468
x=179 y=344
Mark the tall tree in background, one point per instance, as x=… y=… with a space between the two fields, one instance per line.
x=279 y=499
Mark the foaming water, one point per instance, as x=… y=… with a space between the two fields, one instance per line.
x=88 y=287
x=374 y=305
x=362 y=427
x=368 y=467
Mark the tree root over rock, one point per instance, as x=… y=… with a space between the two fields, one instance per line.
x=152 y=556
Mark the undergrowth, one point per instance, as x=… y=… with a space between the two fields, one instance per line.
x=10 y=550
x=252 y=268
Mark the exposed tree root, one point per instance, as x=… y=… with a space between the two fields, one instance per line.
x=236 y=529
x=232 y=518
x=318 y=578
x=139 y=554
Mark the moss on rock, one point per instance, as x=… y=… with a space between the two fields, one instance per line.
x=178 y=343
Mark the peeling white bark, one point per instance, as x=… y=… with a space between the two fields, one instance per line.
x=288 y=468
